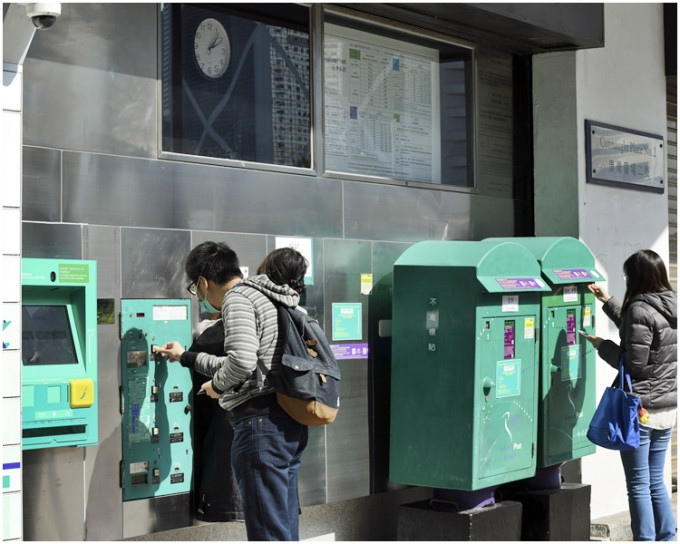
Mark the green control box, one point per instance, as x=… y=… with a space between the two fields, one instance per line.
x=59 y=353
x=464 y=365
x=156 y=398
x=567 y=377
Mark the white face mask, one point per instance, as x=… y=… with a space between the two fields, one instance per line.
x=205 y=305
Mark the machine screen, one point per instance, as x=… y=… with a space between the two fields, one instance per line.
x=47 y=336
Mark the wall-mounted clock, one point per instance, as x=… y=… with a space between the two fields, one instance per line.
x=212 y=50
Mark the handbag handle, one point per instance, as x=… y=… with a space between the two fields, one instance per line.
x=623 y=373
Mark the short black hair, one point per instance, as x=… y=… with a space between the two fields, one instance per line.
x=285 y=266
x=215 y=261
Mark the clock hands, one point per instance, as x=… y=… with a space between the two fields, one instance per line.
x=217 y=41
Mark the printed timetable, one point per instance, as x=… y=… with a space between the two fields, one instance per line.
x=381 y=106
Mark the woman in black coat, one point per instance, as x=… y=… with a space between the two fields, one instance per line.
x=647 y=322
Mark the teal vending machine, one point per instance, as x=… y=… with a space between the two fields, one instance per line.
x=156 y=400
x=59 y=353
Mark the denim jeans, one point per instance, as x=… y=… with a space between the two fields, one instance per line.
x=266 y=456
x=651 y=513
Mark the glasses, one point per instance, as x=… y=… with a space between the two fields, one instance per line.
x=192 y=288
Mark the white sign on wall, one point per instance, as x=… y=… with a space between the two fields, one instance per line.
x=624 y=157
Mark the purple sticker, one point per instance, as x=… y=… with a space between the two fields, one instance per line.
x=513 y=284
x=509 y=340
x=343 y=352
x=571 y=327
x=573 y=274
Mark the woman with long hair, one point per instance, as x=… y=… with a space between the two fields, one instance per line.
x=647 y=322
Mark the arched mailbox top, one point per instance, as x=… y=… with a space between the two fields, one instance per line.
x=562 y=259
x=499 y=267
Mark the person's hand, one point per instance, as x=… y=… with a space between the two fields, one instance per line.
x=596 y=341
x=210 y=391
x=172 y=350
x=599 y=292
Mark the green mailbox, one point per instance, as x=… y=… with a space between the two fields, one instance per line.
x=464 y=367
x=567 y=377
x=59 y=353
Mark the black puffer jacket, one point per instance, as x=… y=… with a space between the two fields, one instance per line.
x=649 y=336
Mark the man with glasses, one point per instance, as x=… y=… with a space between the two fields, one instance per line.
x=268 y=443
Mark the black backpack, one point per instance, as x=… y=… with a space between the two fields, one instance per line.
x=307 y=382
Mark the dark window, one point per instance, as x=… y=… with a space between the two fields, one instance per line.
x=236 y=82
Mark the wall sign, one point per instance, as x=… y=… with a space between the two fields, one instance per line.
x=624 y=157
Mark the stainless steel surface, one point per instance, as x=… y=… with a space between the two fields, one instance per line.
x=104 y=508
x=53 y=485
x=380 y=212
x=41 y=197
x=90 y=82
x=347 y=468
x=153 y=263
x=109 y=190
x=51 y=240
x=147 y=516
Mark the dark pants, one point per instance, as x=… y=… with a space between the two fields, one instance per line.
x=266 y=455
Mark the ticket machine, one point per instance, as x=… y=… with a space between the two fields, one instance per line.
x=156 y=400
x=464 y=372
x=567 y=378
x=59 y=353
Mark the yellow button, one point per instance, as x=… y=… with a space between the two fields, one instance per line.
x=82 y=392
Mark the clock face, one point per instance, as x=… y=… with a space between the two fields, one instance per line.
x=211 y=48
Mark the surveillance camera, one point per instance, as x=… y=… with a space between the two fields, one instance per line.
x=43 y=14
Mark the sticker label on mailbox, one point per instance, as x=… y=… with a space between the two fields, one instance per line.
x=571 y=369
x=508 y=378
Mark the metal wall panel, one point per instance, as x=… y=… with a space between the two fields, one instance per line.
x=41 y=189
x=250 y=248
x=52 y=493
x=347 y=438
x=380 y=212
x=104 y=507
x=109 y=190
x=91 y=81
x=152 y=263
x=51 y=240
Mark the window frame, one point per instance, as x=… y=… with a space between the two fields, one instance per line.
x=317 y=20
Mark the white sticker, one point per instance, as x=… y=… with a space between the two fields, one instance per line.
x=511 y=303
x=139 y=468
x=570 y=293
x=587 y=317
x=170 y=313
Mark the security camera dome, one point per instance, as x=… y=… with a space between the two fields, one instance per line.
x=43 y=14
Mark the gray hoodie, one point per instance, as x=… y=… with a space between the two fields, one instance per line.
x=648 y=332
x=251 y=334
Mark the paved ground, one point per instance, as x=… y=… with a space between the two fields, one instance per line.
x=617 y=527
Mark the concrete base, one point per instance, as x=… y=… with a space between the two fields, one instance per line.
x=419 y=521
x=554 y=514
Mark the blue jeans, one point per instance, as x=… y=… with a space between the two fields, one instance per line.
x=265 y=455
x=651 y=513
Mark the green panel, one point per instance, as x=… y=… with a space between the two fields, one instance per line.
x=156 y=419
x=507 y=428
x=568 y=395
x=59 y=329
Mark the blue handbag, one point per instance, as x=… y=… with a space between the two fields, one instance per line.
x=615 y=424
